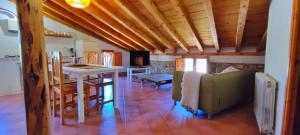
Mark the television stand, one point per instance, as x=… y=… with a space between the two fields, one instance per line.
x=139 y=70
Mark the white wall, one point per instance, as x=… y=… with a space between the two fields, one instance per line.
x=237 y=59
x=10 y=82
x=9 y=43
x=277 y=51
x=62 y=44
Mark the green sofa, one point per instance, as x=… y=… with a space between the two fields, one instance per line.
x=219 y=91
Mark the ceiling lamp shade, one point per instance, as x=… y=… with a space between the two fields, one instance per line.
x=78 y=3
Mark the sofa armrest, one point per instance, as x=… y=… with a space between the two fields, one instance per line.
x=176 y=83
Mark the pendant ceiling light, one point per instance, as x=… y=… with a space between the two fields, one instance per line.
x=78 y=3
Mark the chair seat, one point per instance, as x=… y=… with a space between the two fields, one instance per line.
x=90 y=78
x=66 y=81
x=99 y=83
x=69 y=88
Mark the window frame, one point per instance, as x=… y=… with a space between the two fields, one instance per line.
x=195 y=61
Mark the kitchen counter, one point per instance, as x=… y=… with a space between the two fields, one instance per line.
x=10 y=59
x=10 y=71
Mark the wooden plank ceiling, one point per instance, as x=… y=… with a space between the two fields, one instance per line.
x=169 y=25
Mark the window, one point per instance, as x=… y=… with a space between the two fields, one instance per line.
x=201 y=65
x=107 y=59
x=188 y=64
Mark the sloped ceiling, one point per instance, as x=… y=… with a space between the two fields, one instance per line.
x=170 y=25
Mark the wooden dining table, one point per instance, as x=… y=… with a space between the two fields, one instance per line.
x=81 y=71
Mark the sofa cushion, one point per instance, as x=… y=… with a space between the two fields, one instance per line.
x=230 y=69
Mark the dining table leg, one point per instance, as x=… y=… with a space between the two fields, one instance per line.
x=80 y=98
x=116 y=87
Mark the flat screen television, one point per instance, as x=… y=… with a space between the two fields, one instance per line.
x=139 y=58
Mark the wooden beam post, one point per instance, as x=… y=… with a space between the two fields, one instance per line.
x=244 y=4
x=33 y=59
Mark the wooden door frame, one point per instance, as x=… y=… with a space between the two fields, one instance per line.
x=291 y=88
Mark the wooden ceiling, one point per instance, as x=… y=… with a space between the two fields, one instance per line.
x=169 y=25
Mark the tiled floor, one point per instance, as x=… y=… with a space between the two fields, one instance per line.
x=142 y=110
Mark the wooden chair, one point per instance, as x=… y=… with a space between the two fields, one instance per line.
x=49 y=84
x=97 y=82
x=64 y=92
x=66 y=81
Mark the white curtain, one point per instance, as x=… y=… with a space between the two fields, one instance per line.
x=107 y=59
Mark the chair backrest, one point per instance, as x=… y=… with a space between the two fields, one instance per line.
x=48 y=71
x=56 y=64
x=92 y=57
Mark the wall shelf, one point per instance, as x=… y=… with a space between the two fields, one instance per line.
x=57 y=34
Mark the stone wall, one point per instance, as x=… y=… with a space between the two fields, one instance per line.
x=162 y=66
x=219 y=67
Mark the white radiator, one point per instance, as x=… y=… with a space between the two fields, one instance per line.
x=264 y=102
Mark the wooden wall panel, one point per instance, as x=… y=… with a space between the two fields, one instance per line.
x=292 y=89
x=179 y=64
x=117 y=61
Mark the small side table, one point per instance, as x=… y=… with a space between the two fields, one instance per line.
x=143 y=70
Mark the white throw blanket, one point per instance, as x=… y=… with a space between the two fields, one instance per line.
x=190 y=90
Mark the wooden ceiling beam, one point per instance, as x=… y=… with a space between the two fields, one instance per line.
x=151 y=7
x=106 y=19
x=262 y=42
x=244 y=5
x=142 y=21
x=127 y=24
x=179 y=7
x=87 y=22
x=208 y=6
x=79 y=28
x=87 y=30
